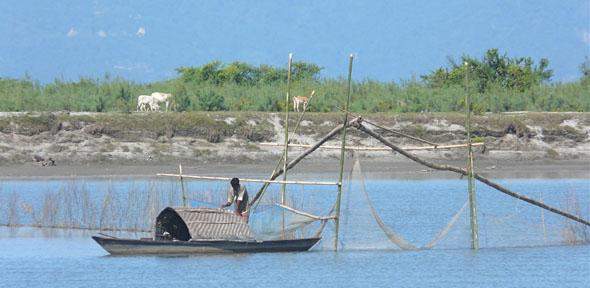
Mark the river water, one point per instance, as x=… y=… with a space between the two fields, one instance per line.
x=521 y=246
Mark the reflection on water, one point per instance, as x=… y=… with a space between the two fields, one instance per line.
x=414 y=209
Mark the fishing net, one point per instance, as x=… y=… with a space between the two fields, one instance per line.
x=86 y=204
x=364 y=226
x=433 y=214
x=375 y=213
x=133 y=204
x=506 y=222
x=267 y=219
x=305 y=213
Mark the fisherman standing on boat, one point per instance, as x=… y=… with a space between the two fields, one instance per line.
x=237 y=193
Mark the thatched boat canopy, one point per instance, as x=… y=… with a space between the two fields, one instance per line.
x=186 y=224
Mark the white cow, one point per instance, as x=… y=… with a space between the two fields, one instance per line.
x=160 y=97
x=145 y=103
x=155 y=107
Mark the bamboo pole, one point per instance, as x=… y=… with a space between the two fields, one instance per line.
x=304 y=154
x=250 y=180
x=286 y=155
x=357 y=123
x=361 y=148
x=470 y=182
x=543 y=219
x=306 y=214
x=182 y=185
x=339 y=197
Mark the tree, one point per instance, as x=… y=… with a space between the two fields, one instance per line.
x=493 y=69
x=209 y=72
x=305 y=71
x=585 y=68
x=241 y=73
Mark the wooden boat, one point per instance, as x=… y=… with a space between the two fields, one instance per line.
x=200 y=230
x=118 y=246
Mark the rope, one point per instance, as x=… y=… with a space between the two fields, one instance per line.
x=392 y=131
x=401 y=134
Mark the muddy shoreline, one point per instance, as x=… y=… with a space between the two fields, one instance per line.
x=394 y=168
x=115 y=145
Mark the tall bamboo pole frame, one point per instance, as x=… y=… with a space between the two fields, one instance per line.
x=343 y=149
x=470 y=179
x=286 y=154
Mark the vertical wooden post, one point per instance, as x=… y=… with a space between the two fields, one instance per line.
x=286 y=155
x=182 y=185
x=470 y=179
x=342 y=150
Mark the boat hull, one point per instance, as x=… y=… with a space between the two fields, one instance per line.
x=119 y=246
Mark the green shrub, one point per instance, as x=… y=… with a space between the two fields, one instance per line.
x=209 y=100
x=243 y=87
